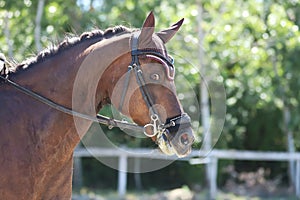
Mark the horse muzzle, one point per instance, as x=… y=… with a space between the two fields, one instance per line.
x=177 y=137
x=182 y=142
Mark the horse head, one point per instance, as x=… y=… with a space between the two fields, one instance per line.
x=147 y=94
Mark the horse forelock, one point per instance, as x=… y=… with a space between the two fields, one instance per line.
x=69 y=42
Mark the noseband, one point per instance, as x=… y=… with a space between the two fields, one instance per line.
x=159 y=128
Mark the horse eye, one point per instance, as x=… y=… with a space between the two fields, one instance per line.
x=155 y=77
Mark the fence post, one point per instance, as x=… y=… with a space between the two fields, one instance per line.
x=213 y=177
x=137 y=174
x=297 y=180
x=122 y=176
x=77 y=171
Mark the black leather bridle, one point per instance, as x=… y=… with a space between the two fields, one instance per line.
x=171 y=124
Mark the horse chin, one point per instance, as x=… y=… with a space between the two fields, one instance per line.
x=182 y=153
x=165 y=146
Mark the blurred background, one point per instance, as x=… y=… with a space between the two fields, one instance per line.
x=250 y=48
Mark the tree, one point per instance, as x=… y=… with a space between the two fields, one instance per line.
x=255 y=47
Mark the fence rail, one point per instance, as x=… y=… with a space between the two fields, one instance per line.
x=196 y=157
x=215 y=155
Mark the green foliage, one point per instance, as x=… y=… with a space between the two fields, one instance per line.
x=254 y=47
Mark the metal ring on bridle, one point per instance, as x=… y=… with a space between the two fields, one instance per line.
x=154 y=125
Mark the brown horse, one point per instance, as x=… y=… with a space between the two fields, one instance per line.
x=49 y=102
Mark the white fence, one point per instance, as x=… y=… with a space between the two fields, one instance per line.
x=216 y=154
x=196 y=157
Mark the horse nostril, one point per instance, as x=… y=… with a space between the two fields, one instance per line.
x=184 y=139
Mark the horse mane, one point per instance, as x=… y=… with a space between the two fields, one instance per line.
x=68 y=42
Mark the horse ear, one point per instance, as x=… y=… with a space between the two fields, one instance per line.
x=147 y=28
x=149 y=21
x=168 y=33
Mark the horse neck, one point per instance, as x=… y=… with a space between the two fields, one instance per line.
x=52 y=78
x=77 y=69
x=71 y=79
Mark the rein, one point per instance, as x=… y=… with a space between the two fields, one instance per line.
x=99 y=118
x=156 y=124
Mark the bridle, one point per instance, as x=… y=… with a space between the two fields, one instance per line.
x=159 y=129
